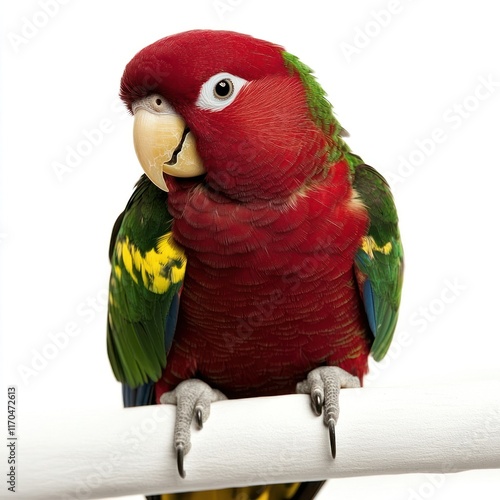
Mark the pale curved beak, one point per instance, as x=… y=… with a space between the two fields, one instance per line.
x=164 y=144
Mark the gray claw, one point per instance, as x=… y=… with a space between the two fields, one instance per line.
x=317 y=403
x=323 y=384
x=333 y=441
x=180 y=461
x=199 y=418
x=193 y=398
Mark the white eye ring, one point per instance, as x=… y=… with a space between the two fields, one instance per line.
x=219 y=91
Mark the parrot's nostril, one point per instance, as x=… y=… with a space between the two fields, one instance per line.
x=178 y=149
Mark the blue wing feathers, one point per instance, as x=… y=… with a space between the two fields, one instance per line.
x=140 y=396
x=369 y=303
x=171 y=321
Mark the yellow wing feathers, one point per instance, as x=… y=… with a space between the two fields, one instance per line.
x=158 y=268
x=368 y=245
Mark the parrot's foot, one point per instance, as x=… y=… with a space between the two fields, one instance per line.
x=324 y=384
x=193 y=398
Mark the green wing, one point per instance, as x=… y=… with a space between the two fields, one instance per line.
x=147 y=269
x=379 y=260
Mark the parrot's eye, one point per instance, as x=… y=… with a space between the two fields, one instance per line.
x=224 y=89
x=219 y=91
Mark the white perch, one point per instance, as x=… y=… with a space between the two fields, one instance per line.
x=260 y=440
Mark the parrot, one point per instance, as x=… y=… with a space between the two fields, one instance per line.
x=258 y=255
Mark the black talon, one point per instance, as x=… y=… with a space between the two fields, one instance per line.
x=199 y=418
x=317 y=404
x=180 y=461
x=333 y=441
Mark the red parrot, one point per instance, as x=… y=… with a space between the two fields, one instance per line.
x=258 y=256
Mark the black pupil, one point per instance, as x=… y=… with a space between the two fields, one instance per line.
x=158 y=101
x=223 y=88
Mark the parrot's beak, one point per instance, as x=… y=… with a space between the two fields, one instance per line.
x=164 y=144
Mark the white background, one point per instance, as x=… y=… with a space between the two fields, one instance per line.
x=393 y=77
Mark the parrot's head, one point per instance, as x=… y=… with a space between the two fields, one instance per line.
x=232 y=113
